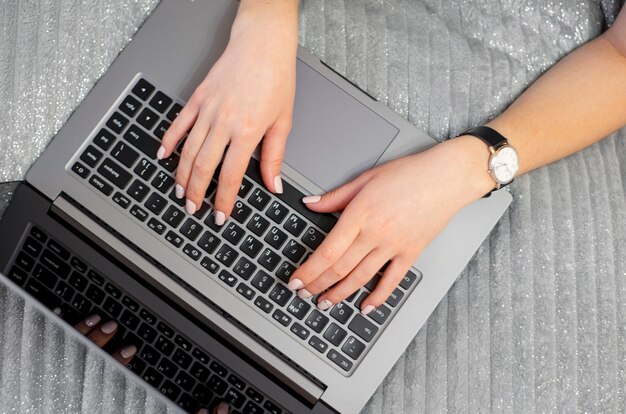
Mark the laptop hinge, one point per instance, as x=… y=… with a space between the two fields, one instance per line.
x=224 y=327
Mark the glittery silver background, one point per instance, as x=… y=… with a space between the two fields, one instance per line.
x=537 y=321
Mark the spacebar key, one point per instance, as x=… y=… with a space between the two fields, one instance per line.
x=144 y=142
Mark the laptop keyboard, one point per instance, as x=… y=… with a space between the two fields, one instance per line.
x=254 y=253
x=165 y=359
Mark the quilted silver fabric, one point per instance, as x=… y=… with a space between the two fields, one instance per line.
x=536 y=323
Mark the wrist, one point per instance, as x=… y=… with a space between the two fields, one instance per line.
x=254 y=16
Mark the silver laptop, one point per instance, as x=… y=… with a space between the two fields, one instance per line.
x=97 y=228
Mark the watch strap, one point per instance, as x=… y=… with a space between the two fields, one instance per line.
x=490 y=136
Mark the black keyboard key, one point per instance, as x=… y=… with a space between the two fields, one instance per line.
x=167 y=367
x=157 y=226
x=208 y=242
x=147 y=118
x=363 y=328
x=160 y=101
x=104 y=139
x=335 y=334
x=136 y=365
x=121 y=200
x=17 y=275
x=185 y=381
x=174 y=238
x=409 y=279
x=81 y=170
x=240 y=212
x=259 y=199
x=318 y=344
x=170 y=390
x=152 y=377
x=341 y=361
x=192 y=252
x=139 y=213
x=294 y=225
x=143 y=89
x=147 y=316
x=269 y=259
x=227 y=278
x=275 y=237
x=233 y=233
x=96 y=278
x=236 y=382
x=95 y=294
x=191 y=229
x=45 y=276
x=263 y=304
x=124 y=154
x=280 y=294
x=244 y=268
x=272 y=408
x=165 y=329
x=147 y=333
x=204 y=207
x=54 y=263
x=294 y=251
x=251 y=246
x=217 y=385
x=170 y=163
x=359 y=301
x=317 y=321
x=113 y=291
x=226 y=255
x=38 y=234
x=199 y=371
x=173 y=216
x=142 y=141
x=313 y=238
x=164 y=345
x=200 y=356
x=281 y=317
x=284 y=271
x=254 y=395
x=183 y=343
x=130 y=106
x=163 y=182
x=78 y=281
x=174 y=112
x=59 y=250
x=203 y=394
x=41 y=293
x=353 y=348
x=26 y=262
x=81 y=304
x=210 y=265
x=138 y=190
x=380 y=314
x=234 y=398
x=145 y=169
x=117 y=122
x=245 y=291
x=373 y=282
x=341 y=312
x=252 y=408
x=258 y=225
x=130 y=304
x=218 y=369
x=101 y=185
x=78 y=264
x=129 y=319
x=112 y=307
x=91 y=156
x=300 y=331
x=262 y=281
x=244 y=188
x=155 y=203
x=298 y=307
x=277 y=212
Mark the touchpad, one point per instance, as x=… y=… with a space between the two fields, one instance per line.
x=334 y=137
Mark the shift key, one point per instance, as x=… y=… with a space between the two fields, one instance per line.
x=144 y=142
x=110 y=170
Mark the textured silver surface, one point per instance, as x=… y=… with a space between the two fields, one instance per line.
x=536 y=322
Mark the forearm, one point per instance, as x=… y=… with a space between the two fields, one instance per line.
x=281 y=15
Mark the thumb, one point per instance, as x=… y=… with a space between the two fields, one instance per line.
x=337 y=199
x=272 y=154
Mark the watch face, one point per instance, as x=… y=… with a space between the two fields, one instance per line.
x=504 y=164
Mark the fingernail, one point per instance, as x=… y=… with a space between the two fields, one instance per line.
x=92 y=320
x=278 y=184
x=294 y=284
x=304 y=294
x=203 y=411
x=179 y=191
x=109 y=327
x=325 y=304
x=190 y=207
x=220 y=218
x=223 y=408
x=160 y=152
x=56 y=311
x=128 y=351
x=367 y=309
x=311 y=199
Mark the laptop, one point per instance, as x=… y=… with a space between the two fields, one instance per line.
x=96 y=228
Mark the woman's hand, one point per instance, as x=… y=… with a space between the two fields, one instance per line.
x=391 y=213
x=248 y=94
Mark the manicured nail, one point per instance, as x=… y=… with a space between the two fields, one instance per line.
x=160 y=152
x=190 y=207
x=220 y=218
x=109 y=327
x=128 y=351
x=325 y=304
x=223 y=408
x=278 y=185
x=92 y=320
x=294 y=284
x=179 y=191
x=311 y=199
x=203 y=411
x=367 y=309
x=56 y=311
x=304 y=294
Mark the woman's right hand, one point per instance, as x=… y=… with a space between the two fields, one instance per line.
x=247 y=95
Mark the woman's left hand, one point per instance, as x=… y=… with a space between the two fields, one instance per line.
x=390 y=214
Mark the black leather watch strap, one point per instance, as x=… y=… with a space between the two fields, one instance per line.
x=490 y=136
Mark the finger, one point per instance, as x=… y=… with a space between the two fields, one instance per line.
x=361 y=274
x=391 y=278
x=331 y=249
x=272 y=154
x=337 y=199
x=221 y=408
x=204 y=166
x=103 y=333
x=234 y=167
x=190 y=150
x=125 y=355
x=338 y=270
x=87 y=325
x=183 y=123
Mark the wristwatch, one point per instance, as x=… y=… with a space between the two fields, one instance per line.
x=503 y=159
